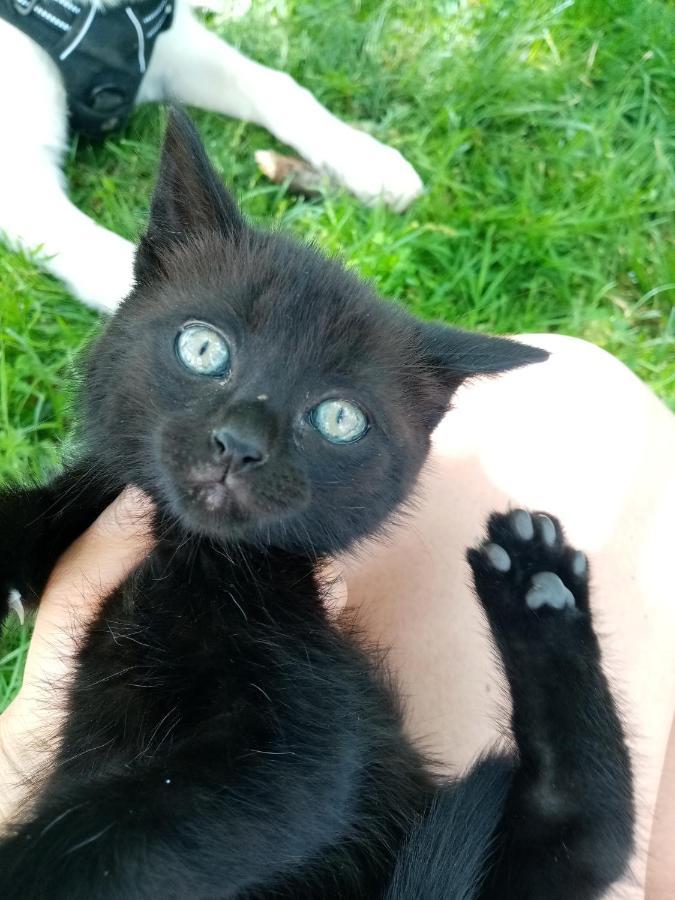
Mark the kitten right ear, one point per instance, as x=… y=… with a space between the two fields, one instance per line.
x=448 y=357
x=189 y=197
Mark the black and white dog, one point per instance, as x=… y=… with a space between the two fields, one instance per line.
x=93 y=62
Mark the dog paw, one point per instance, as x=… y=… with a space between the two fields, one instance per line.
x=101 y=275
x=370 y=170
x=526 y=570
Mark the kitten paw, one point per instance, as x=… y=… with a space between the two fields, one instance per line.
x=526 y=569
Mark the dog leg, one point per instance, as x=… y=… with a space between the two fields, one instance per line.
x=95 y=264
x=193 y=66
x=35 y=212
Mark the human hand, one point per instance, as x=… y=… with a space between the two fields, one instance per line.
x=95 y=563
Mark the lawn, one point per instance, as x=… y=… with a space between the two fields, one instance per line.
x=544 y=134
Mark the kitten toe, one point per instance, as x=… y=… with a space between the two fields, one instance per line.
x=497 y=556
x=579 y=563
x=546 y=528
x=521 y=524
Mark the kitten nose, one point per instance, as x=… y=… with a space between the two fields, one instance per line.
x=239 y=452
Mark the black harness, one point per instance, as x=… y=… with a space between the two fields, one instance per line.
x=102 y=54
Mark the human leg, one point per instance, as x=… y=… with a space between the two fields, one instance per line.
x=661 y=864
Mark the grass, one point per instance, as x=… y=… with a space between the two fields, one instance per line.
x=544 y=134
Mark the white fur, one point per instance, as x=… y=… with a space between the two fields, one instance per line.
x=190 y=65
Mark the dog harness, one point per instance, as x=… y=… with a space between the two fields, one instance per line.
x=102 y=54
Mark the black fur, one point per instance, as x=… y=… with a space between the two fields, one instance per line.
x=224 y=739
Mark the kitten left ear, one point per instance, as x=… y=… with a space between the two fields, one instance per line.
x=189 y=198
x=451 y=356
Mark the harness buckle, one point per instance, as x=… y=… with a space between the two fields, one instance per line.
x=25 y=8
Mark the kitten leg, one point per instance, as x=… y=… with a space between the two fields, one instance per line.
x=447 y=849
x=36 y=526
x=567 y=827
x=35 y=212
x=173 y=833
x=193 y=66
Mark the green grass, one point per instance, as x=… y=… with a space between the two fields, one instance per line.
x=544 y=134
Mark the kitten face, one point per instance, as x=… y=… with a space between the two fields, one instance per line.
x=258 y=391
x=265 y=394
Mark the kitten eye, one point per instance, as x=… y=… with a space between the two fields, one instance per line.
x=339 y=421
x=202 y=349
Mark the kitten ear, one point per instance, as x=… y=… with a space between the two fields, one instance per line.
x=189 y=196
x=452 y=356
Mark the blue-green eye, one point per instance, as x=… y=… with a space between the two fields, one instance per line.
x=202 y=349
x=339 y=421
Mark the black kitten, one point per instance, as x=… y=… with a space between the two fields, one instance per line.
x=224 y=739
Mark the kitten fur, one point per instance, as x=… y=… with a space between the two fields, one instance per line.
x=224 y=739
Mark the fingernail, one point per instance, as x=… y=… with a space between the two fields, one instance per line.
x=133 y=496
x=15 y=603
x=129 y=512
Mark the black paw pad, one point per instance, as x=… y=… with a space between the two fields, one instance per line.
x=526 y=526
x=497 y=557
x=547 y=529
x=548 y=590
x=579 y=563
x=521 y=524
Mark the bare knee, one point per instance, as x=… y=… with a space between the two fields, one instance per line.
x=579 y=392
x=583 y=365
x=579 y=435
